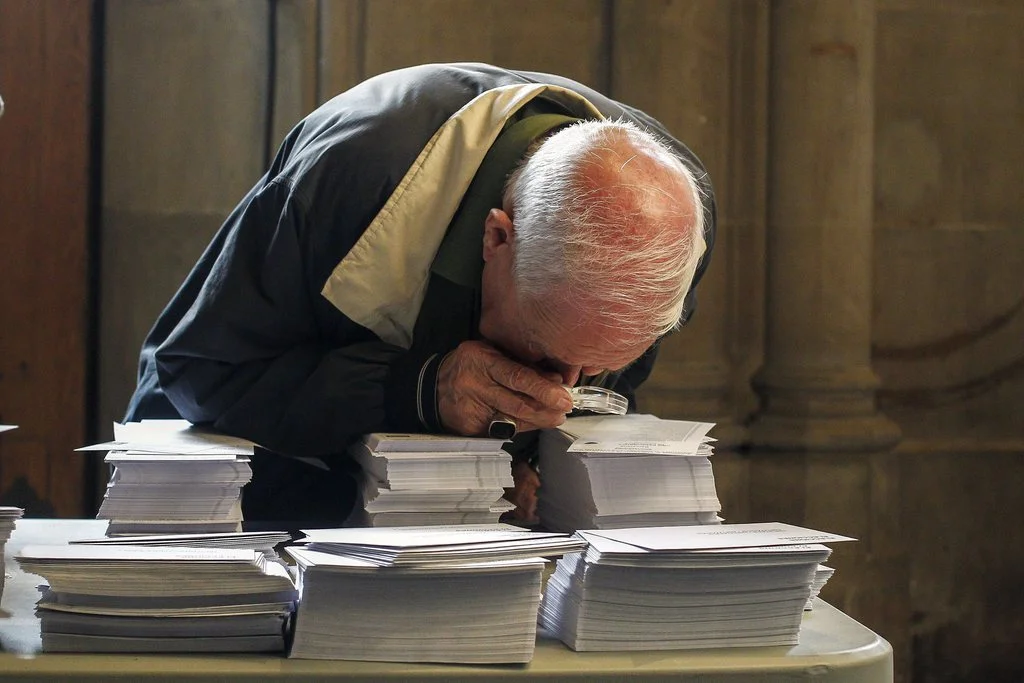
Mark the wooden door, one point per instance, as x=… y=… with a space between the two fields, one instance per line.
x=46 y=55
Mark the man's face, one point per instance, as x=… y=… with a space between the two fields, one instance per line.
x=557 y=337
x=553 y=336
x=573 y=342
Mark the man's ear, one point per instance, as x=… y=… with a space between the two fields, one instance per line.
x=498 y=231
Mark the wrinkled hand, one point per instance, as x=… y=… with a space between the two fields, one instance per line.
x=524 y=495
x=476 y=381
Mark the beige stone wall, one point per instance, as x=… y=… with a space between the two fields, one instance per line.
x=913 y=279
x=948 y=339
x=949 y=288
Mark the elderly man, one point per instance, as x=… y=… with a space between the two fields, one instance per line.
x=435 y=247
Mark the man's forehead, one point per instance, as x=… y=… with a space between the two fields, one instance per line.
x=561 y=333
x=602 y=347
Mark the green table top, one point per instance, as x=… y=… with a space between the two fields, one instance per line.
x=833 y=648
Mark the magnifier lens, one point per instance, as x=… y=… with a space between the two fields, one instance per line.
x=598 y=400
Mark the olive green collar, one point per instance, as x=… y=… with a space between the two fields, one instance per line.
x=459 y=259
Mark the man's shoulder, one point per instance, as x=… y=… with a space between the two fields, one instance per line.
x=368 y=136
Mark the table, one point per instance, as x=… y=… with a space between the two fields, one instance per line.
x=833 y=648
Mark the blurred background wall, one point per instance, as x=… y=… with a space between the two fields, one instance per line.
x=859 y=335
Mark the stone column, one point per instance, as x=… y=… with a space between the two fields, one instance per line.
x=821 y=451
x=659 y=65
x=816 y=384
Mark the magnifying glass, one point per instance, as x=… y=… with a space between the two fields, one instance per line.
x=598 y=400
x=592 y=399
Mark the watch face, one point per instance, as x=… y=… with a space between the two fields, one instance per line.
x=502 y=428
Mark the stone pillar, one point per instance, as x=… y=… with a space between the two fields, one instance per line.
x=821 y=452
x=816 y=384
x=659 y=66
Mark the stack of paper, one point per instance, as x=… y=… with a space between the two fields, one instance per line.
x=821 y=577
x=620 y=471
x=171 y=477
x=9 y=516
x=425 y=479
x=661 y=588
x=464 y=594
x=115 y=598
x=263 y=541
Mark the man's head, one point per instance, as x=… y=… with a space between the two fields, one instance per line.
x=590 y=260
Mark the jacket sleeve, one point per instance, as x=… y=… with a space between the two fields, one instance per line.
x=248 y=356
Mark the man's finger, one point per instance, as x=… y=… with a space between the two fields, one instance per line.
x=527 y=381
x=525 y=411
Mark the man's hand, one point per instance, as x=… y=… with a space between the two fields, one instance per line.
x=476 y=381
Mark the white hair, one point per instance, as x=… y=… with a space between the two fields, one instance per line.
x=610 y=219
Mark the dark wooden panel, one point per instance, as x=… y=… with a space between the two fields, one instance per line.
x=45 y=63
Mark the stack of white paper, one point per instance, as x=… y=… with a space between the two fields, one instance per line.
x=114 y=598
x=464 y=594
x=424 y=479
x=733 y=585
x=821 y=577
x=9 y=516
x=440 y=545
x=263 y=541
x=171 y=477
x=620 y=471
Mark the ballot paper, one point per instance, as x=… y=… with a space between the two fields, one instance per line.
x=607 y=472
x=440 y=545
x=440 y=518
x=717 y=537
x=172 y=477
x=480 y=613
x=178 y=437
x=133 y=467
x=454 y=468
x=117 y=528
x=615 y=436
x=263 y=541
x=103 y=597
x=384 y=498
x=141 y=571
x=457 y=594
x=398 y=442
x=232 y=605
x=9 y=517
x=676 y=588
x=821 y=576
x=417 y=479
x=134 y=505
x=67 y=642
